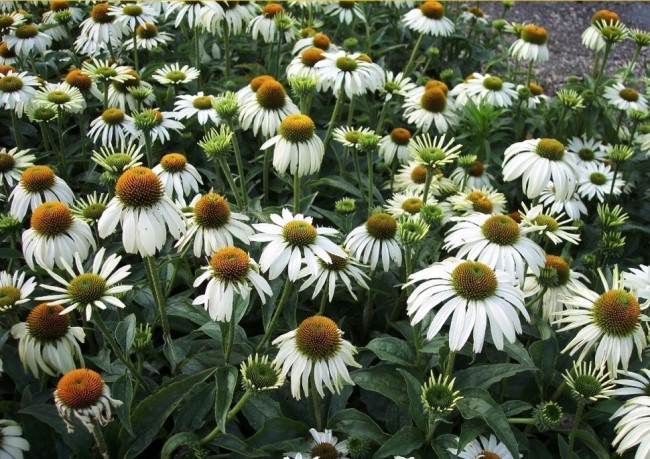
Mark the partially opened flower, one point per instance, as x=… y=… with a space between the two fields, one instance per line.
x=12 y=444
x=396 y=85
x=14 y=290
x=588 y=382
x=633 y=429
x=47 y=341
x=260 y=375
x=90 y=208
x=591 y=37
x=433 y=153
x=491 y=90
x=83 y=394
x=315 y=351
x=230 y=271
x=438 y=395
x=153 y=123
x=178 y=176
x=12 y=163
x=484 y=448
x=553 y=227
x=531 y=45
x=376 y=241
x=340 y=269
x=62 y=96
x=118 y=159
x=429 y=18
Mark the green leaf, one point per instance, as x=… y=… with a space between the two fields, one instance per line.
x=384 y=380
x=564 y=449
x=150 y=415
x=484 y=376
x=403 y=442
x=416 y=408
x=593 y=443
x=469 y=431
x=337 y=182
x=226 y=379
x=477 y=403
x=352 y=421
x=544 y=354
x=125 y=332
x=515 y=407
x=232 y=443
x=391 y=349
x=122 y=389
x=260 y=409
x=176 y=441
x=276 y=431
x=78 y=441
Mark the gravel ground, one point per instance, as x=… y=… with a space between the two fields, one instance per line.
x=565 y=22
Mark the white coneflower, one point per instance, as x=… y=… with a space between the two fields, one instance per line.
x=190 y=11
x=200 y=105
x=153 y=123
x=478 y=200
x=353 y=73
x=531 y=45
x=10 y=20
x=633 y=429
x=110 y=126
x=412 y=176
x=588 y=382
x=633 y=383
x=7 y=55
x=12 y=444
x=433 y=152
x=230 y=270
x=595 y=181
x=14 y=290
x=407 y=203
x=16 y=90
x=121 y=94
x=237 y=15
x=429 y=18
x=290 y=238
x=144 y=212
x=297 y=146
x=638 y=280
x=148 y=37
x=55 y=236
x=304 y=65
x=99 y=30
x=60 y=96
x=60 y=14
x=395 y=145
x=349 y=136
x=537 y=162
x=426 y=107
x=610 y=323
x=340 y=269
x=484 y=448
x=315 y=350
x=325 y=445
x=473 y=175
x=133 y=14
x=496 y=240
x=396 y=85
x=90 y=208
x=47 y=342
x=625 y=98
x=318 y=41
x=178 y=176
x=491 y=90
x=267 y=107
x=585 y=150
x=533 y=97
x=552 y=226
x=174 y=74
x=475 y=294
x=264 y=24
x=474 y=15
x=12 y=164
x=592 y=37
x=119 y=158
x=345 y=10
x=26 y=39
x=103 y=71
x=376 y=241
x=83 y=394
x=573 y=207
x=37 y=185
x=248 y=92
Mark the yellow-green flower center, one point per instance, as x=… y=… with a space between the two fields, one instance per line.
x=113 y=116
x=381 y=226
x=8 y=297
x=347 y=64
x=203 y=102
x=118 y=161
x=534 y=34
x=212 y=211
x=616 y=313
x=434 y=100
x=299 y=233
x=230 y=264
x=412 y=205
x=473 y=280
x=629 y=94
x=139 y=187
x=271 y=95
x=106 y=72
x=550 y=149
x=176 y=76
x=58 y=97
x=26 y=31
x=10 y=84
x=432 y=10
x=318 y=338
x=46 y=323
x=93 y=211
x=438 y=398
x=87 y=288
x=597 y=178
x=297 y=128
x=586 y=154
x=493 y=83
x=431 y=155
x=501 y=230
x=51 y=218
x=548 y=221
x=261 y=375
x=132 y=10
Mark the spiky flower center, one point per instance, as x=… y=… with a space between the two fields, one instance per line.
x=473 y=280
x=261 y=375
x=587 y=386
x=501 y=230
x=100 y=14
x=325 y=450
x=346 y=4
x=6 y=21
x=353 y=136
x=10 y=84
x=346 y=64
x=337 y=264
x=586 y=154
x=480 y=202
x=132 y=10
x=616 y=313
x=37 y=178
x=8 y=296
x=432 y=10
x=46 y=323
x=419 y=175
x=297 y=128
x=311 y=56
x=6 y=162
x=51 y=218
x=105 y=72
x=230 y=264
x=597 y=178
x=489 y=455
x=476 y=11
x=548 y=221
x=176 y=76
x=534 y=34
x=132 y=82
x=400 y=136
x=93 y=211
x=604 y=15
x=321 y=41
x=58 y=97
x=272 y=9
x=26 y=31
x=4 y=69
x=493 y=83
x=5 y=51
x=318 y=338
x=535 y=89
x=476 y=169
x=439 y=397
x=271 y=95
x=629 y=94
x=431 y=155
x=87 y=288
x=561 y=268
x=173 y=162
x=434 y=100
x=81 y=388
x=299 y=233
x=202 y=102
x=412 y=205
x=257 y=82
x=438 y=85
x=212 y=211
x=147 y=31
x=113 y=116
x=550 y=149
x=139 y=187
x=79 y=80
x=118 y=161
x=381 y=226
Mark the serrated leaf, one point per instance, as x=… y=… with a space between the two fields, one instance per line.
x=122 y=389
x=414 y=391
x=355 y=422
x=403 y=442
x=484 y=376
x=391 y=349
x=125 y=332
x=226 y=382
x=384 y=380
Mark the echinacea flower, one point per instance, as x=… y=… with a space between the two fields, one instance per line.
x=429 y=18
x=595 y=181
x=16 y=90
x=319 y=41
x=325 y=444
x=483 y=448
x=190 y=12
x=433 y=153
x=591 y=37
x=427 y=107
x=132 y=15
x=99 y=31
x=110 y=127
x=38 y=184
x=588 y=382
x=260 y=375
x=473 y=175
x=83 y=394
x=315 y=350
x=638 y=280
x=483 y=200
x=26 y=39
x=90 y=208
x=264 y=24
x=148 y=37
x=491 y=90
x=573 y=207
x=633 y=384
x=376 y=241
x=200 y=105
x=266 y=108
x=47 y=342
x=179 y=177
x=585 y=150
x=624 y=98
x=340 y=269
x=438 y=395
x=407 y=203
x=14 y=290
x=153 y=123
x=12 y=444
x=304 y=65
x=230 y=270
x=61 y=96
x=344 y=11
x=395 y=145
x=633 y=429
x=174 y=74
x=531 y=45
x=474 y=295
x=118 y=159
x=553 y=227
x=12 y=163
x=353 y=73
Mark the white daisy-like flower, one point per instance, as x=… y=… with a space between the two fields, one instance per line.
x=7 y=55
x=153 y=123
x=264 y=23
x=344 y=11
x=433 y=153
x=120 y=94
x=534 y=97
x=592 y=37
x=10 y=20
x=27 y=38
x=555 y=278
x=212 y=225
x=537 y=162
x=552 y=226
x=110 y=127
x=474 y=15
x=429 y=18
x=12 y=164
x=304 y=64
x=483 y=448
x=83 y=394
x=585 y=150
x=104 y=71
x=133 y=14
x=478 y=200
x=376 y=241
x=315 y=351
x=47 y=342
x=290 y=239
x=638 y=280
x=412 y=176
x=118 y=159
x=230 y=270
x=325 y=445
x=98 y=30
x=148 y=37
x=474 y=176
x=318 y=40
x=633 y=429
x=573 y=207
x=55 y=236
x=427 y=107
x=349 y=136
x=37 y=185
x=144 y=212
x=99 y=287
x=596 y=182
x=266 y=108
x=352 y=73
x=248 y=92
x=625 y=98
x=90 y=208
x=491 y=90
x=633 y=384
x=475 y=294
x=174 y=74
x=496 y=240
x=297 y=146
x=531 y=46
x=191 y=11
x=16 y=90
x=60 y=96
x=238 y=14
x=14 y=290
x=178 y=176
x=405 y=203
x=610 y=323
x=396 y=145
x=396 y=85
x=199 y=105
x=340 y=269
x=12 y=444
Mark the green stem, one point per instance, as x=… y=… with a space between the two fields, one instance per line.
x=136 y=65
x=148 y=149
x=240 y=166
x=296 y=193
x=315 y=400
x=231 y=181
x=175 y=271
x=335 y=117
x=427 y=183
x=629 y=68
x=99 y=438
x=530 y=74
x=371 y=185
x=351 y=110
x=228 y=340
x=17 y=135
x=235 y=409
x=265 y=176
x=558 y=391
x=596 y=64
x=197 y=49
x=226 y=48
x=73 y=53
x=159 y=297
x=284 y=296
x=611 y=188
x=382 y=116
x=574 y=428
x=62 y=163
x=608 y=48
x=357 y=168
x=323 y=303
x=409 y=65
x=105 y=102
x=529 y=421
x=449 y=368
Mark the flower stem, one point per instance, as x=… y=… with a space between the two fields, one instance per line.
x=427 y=183
x=228 y=340
x=530 y=74
x=357 y=168
x=371 y=185
x=382 y=117
x=629 y=68
x=62 y=163
x=148 y=149
x=231 y=181
x=335 y=116
x=159 y=297
x=177 y=263
x=226 y=48
x=284 y=296
x=315 y=400
x=323 y=304
x=135 y=50
x=449 y=368
x=240 y=165
x=409 y=65
x=99 y=438
x=529 y=421
x=574 y=428
x=296 y=193
x=608 y=48
x=235 y=409
x=611 y=188
x=17 y=135
x=351 y=110
x=265 y=176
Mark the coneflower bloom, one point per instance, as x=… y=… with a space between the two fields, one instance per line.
x=478 y=200
x=429 y=18
x=98 y=30
x=474 y=175
x=531 y=45
x=191 y=11
x=325 y=444
x=376 y=241
x=37 y=185
x=16 y=90
x=110 y=126
x=90 y=208
x=14 y=290
x=426 y=107
x=248 y=92
x=595 y=181
x=553 y=227
x=633 y=427
x=27 y=38
x=484 y=448
x=12 y=164
x=178 y=176
x=346 y=11
x=340 y=269
x=353 y=73
x=118 y=159
x=12 y=444
x=264 y=24
x=153 y=123
x=304 y=65
x=573 y=207
x=174 y=74
x=200 y=105
x=265 y=110
x=405 y=203
x=491 y=90
x=318 y=41
x=585 y=150
x=120 y=94
x=625 y=98
x=132 y=15
x=148 y=37
x=592 y=37
x=396 y=145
